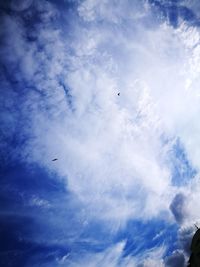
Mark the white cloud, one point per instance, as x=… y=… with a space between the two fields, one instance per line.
x=153 y=257
x=110 y=148
x=112 y=11
x=39 y=202
x=111 y=257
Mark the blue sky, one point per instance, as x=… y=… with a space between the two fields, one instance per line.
x=124 y=190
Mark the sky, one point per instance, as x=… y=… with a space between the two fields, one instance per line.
x=110 y=89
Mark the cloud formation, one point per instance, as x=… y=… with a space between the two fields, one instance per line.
x=115 y=153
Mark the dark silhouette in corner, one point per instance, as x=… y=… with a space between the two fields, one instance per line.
x=194 y=260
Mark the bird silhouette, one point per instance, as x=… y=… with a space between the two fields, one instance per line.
x=54 y=159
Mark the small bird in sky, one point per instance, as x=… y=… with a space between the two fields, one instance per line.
x=54 y=159
x=118 y=94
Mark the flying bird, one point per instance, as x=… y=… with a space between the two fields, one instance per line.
x=118 y=94
x=54 y=159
